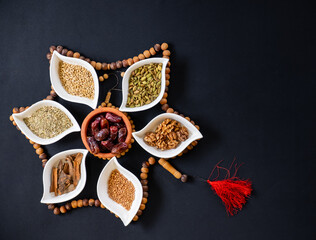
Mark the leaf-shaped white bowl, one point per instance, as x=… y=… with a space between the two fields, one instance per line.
x=125 y=84
x=58 y=87
x=18 y=118
x=50 y=198
x=102 y=191
x=194 y=134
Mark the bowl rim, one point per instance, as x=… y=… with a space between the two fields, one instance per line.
x=18 y=118
x=194 y=134
x=98 y=111
x=125 y=83
x=46 y=178
x=59 y=89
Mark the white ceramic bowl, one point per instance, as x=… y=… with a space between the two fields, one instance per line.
x=50 y=198
x=59 y=89
x=125 y=84
x=18 y=118
x=194 y=134
x=102 y=191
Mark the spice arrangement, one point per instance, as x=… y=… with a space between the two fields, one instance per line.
x=76 y=80
x=106 y=134
x=121 y=190
x=168 y=135
x=144 y=85
x=163 y=133
x=48 y=122
x=66 y=175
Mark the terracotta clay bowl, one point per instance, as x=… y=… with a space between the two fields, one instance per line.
x=96 y=112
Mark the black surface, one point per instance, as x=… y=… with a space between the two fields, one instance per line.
x=244 y=71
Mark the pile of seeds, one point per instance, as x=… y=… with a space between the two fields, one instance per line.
x=48 y=122
x=76 y=80
x=168 y=135
x=121 y=190
x=144 y=85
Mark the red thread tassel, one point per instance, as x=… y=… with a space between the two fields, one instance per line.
x=233 y=191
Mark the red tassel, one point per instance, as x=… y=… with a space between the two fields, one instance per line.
x=233 y=191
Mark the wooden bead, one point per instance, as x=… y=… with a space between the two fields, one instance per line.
x=167 y=76
x=36 y=146
x=52 y=49
x=144 y=182
x=170 y=110
x=63 y=209
x=48 y=56
x=184 y=178
x=64 y=51
x=152 y=51
x=70 y=53
x=164 y=46
x=175 y=112
x=74 y=204
x=164 y=107
x=42 y=156
x=197 y=127
x=93 y=63
x=97 y=203
x=187 y=118
x=151 y=160
x=190 y=147
x=145 y=164
x=142 y=206
x=91 y=202
x=119 y=64
x=139 y=212
x=168 y=64
x=85 y=202
x=105 y=76
x=165 y=95
x=59 y=49
x=157 y=47
x=113 y=65
x=167 y=57
x=168 y=70
x=122 y=74
x=51 y=206
x=53 y=93
x=166 y=53
x=82 y=58
x=14 y=123
x=141 y=56
x=80 y=203
x=101 y=79
x=145 y=194
x=144 y=200
x=43 y=164
x=39 y=151
x=194 y=143
x=143 y=175
x=103 y=104
x=146 y=54
x=163 y=101
x=49 y=97
x=88 y=60
x=15 y=110
x=102 y=206
x=109 y=66
x=76 y=55
x=98 y=66
x=145 y=188
x=144 y=170
x=22 y=109
x=130 y=61
x=56 y=211
x=68 y=206
x=104 y=66
x=135 y=218
x=135 y=59
x=167 y=83
x=125 y=63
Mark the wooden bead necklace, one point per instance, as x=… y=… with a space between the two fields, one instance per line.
x=40 y=151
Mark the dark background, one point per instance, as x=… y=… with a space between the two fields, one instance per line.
x=243 y=70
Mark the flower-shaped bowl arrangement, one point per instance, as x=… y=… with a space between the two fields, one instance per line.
x=102 y=191
x=50 y=198
x=194 y=134
x=18 y=118
x=125 y=84
x=91 y=115
x=55 y=80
